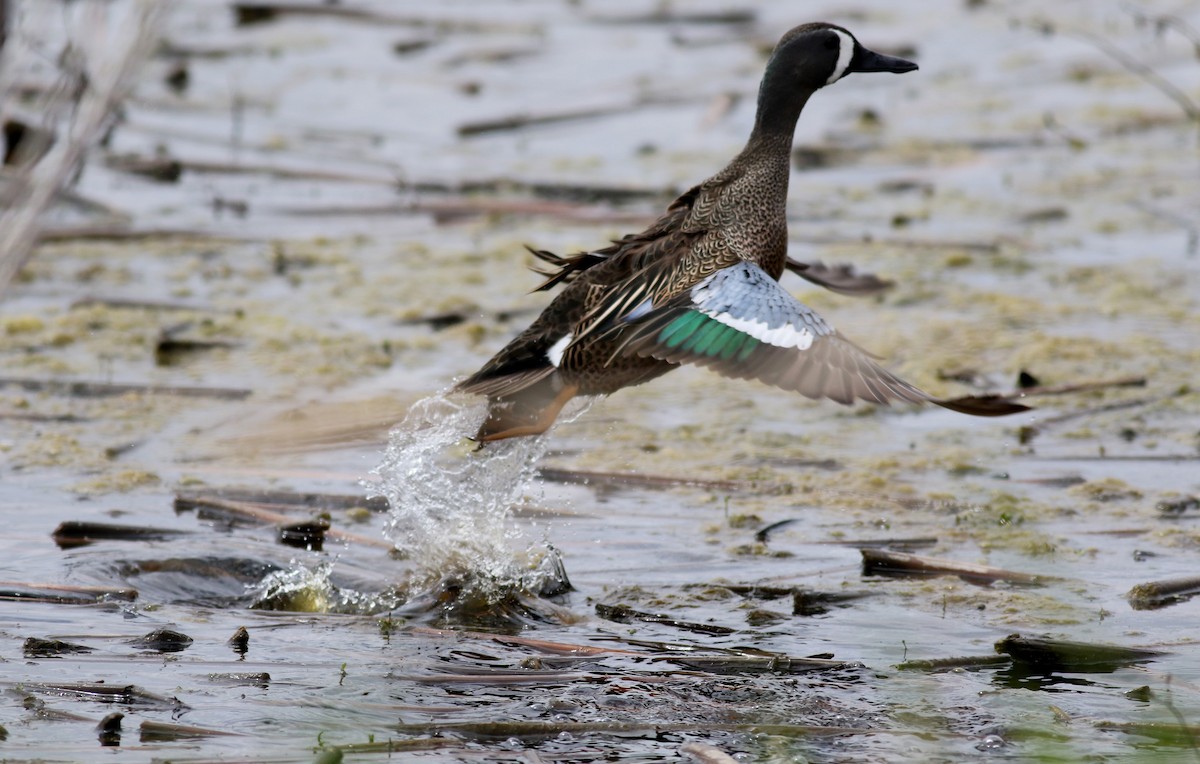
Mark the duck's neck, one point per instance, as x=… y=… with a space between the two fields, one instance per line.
x=779 y=105
x=770 y=143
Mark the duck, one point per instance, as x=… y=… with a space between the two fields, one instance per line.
x=700 y=285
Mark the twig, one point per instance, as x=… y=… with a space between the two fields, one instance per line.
x=950 y=664
x=1166 y=21
x=1121 y=458
x=559 y=648
x=31 y=417
x=246 y=12
x=1157 y=594
x=85 y=389
x=1164 y=733
x=740 y=664
x=63 y=593
x=520 y=121
x=265 y=516
x=543 y=189
x=1186 y=223
x=167 y=168
x=446 y=211
x=804 y=601
x=90 y=95
x=1066 y=481
x=126 y=233
x=913 y=542
x=185 y=500
x=132 y=303
x=152 y=731
x=1064 y=655
x=669 y=15
x=1077 y=387
x=1136 y=67
x=126 y=695
x=497 y=679
x=397 y=746
x=1029 y=432
x=625 y=614
x=73 y=533
x=586 y=477
x=878 y=561
x=541 y=729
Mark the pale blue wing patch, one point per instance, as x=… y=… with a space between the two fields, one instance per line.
x=741 y=323
x=744 y=298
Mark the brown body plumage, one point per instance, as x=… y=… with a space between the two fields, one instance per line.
x=611 y=325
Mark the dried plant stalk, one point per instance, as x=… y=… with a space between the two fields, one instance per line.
x=105 y=46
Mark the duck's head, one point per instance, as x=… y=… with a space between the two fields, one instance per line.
x=807 y=59
x=812 y=56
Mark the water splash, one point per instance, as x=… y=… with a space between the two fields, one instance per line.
x=304 y=589
x=451 y=505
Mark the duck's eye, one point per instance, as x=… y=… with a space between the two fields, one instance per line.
x=832 y=42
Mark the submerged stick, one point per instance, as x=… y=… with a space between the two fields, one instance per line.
x=1064 y=655
x=558 y=648
x=86 y=389
x=949 y=664
x=32 y=417
x=804 y=601
x=73 y=533
x=586 y=477
x=545 y=189
x=1158 y=594
x=754 y=664
x=881 y=562
x=540 y=729
x=163 y=168
x=522 y=120
x=1080 y=387
x=911 y=542
x=63 y=594
x=396 y=746
x=126 y=695
x=185 y=500
x=158 y=732
x=122 y=233
x=251 y=12
x=258 y=514
x=497 y=679
x=136 y=304
x=1029 y=432
x=1166 y=733
x=624 y=614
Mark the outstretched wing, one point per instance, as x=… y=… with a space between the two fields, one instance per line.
x=741 y=323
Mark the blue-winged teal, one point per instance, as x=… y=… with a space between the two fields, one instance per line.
x=700 y=284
